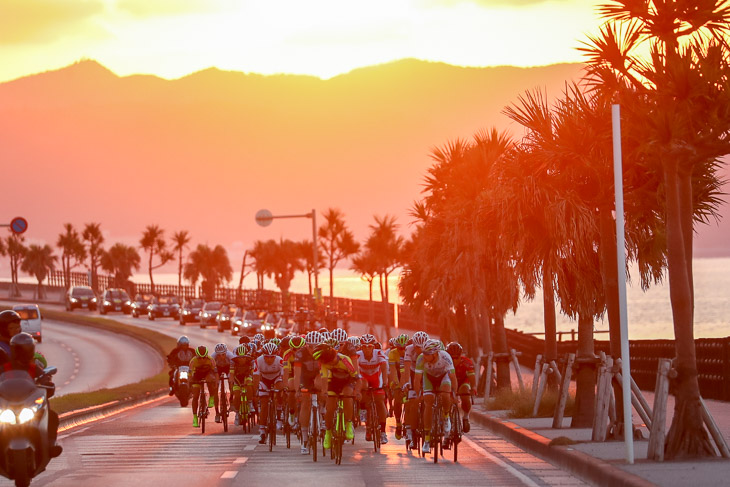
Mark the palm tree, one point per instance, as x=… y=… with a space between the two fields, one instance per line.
x=73 y=252
x=288 y=261
x=14 y=249
x=154 y=244
x=684 y=85
x=365 y=264
x=308 y=257
x=94 y=239
x=121 y=261
x=212 y=265
x=336 y=240
x=180 y=241
x=264 y=256
x=39 y=261
x=386 y=247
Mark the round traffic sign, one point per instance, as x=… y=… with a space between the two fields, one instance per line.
x=19 y=225
x=264 y=218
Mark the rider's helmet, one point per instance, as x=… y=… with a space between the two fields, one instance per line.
x=314 y=338
x=339 y=334
x=244 y=339
x=368 y=340
x=391 y=342
x=276 y=342
x=325 y=335
x=183 y=341
x=442 y=347
x=455 y=350
x=401 y=340
x=22 y=348
x=431 y=347
x=242 y=350
x=354 y=341
x=332 y=342
x=221 y=348
x=201 y=351
x=420 y=338
x=252 y=348
x=259 y=336
x=324 y=353
x=270 y=349
x=6 y=318
x=296 y=342
x=323 y=330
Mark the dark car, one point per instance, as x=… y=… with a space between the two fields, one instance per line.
x=223 y=319
x=115 y=299
x=284 y=327
x=80 y=297
x=209 y=313
x=190 y=309
x=140 y=304
x=164 y=307
x=251 y=323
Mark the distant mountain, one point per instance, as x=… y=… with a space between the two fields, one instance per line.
x=206 y=151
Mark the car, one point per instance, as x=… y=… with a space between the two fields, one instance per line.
x=166 y=306
x=267 y=324
x=115 y=299
x=80 y=297
x=141 y=303
x=284 y=327
x=30 y=319
x=223 y=318
x=190 y=310
x=243 y=323
x=208 y=313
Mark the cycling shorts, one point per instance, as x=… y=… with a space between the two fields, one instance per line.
x=431 y=382
x=336 y=385
x=266 y=385
x=464 y=388
x=375 y=381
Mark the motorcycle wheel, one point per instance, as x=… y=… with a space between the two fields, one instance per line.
x=20 y=461
x=183 y=396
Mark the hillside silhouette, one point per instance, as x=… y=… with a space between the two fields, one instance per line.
x=206 y=151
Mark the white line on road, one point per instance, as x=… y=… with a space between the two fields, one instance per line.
x=249 y=447
x=229 y=475
x=241 y=460
x=522 y=477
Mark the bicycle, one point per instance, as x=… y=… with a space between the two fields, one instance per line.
x=314 y=425
x=338 y=433
x=271 y=420
x=456 y=430
x=223 y=401
x=437 y=427
x=372 y=425
x=202 y=408
x=286 y=427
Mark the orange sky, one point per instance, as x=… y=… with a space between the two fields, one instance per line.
x=172 y=38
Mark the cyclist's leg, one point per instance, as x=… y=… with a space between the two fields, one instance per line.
x=195 y=386
x=464 y=392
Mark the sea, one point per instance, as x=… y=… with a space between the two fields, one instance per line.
x=649 y=312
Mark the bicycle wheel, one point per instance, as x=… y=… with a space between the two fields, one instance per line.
x=271 y=427
x=455 y=431
x=223 y=407
x=202 y=407
x=372 y=425
x=287 y=432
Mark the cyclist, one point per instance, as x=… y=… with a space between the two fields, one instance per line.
x=9 y=327
x=435 y=372
x=373 y=366
x=267 y=376
x=240 y=376
x=341 y=377
x=410 y=356
x=203 y=370
x=465 y=379
x=397 y=371
x=305 y=371
x=180 y=355
x=222 y=358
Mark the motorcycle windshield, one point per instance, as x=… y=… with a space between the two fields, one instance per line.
x=16 y=385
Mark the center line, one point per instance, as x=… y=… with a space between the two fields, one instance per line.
x=524 y=478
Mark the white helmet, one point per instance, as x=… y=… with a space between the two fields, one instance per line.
x=221 y=348
x=420 y=338
x=339 y=334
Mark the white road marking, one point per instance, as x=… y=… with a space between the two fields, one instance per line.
x=75 y=432
x=229 y=475
x=249 y=447
x=241 y=460
x=522 y=477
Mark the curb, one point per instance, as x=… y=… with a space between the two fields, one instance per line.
x=588 y=468
x=74 y=419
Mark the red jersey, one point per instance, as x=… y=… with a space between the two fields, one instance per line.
x=464 y=369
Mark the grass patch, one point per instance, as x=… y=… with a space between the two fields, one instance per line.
x=520 y=404
x=81 y=400
x=562 y=441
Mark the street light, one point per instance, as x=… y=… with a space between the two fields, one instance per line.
x=264 y=218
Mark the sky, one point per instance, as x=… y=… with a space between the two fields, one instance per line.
x=324 y=38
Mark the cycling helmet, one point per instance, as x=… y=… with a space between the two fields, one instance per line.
x=22 y=348
x=296 y=342
x=401 y=340
x=442 y=347
x=354 y=341
x=251 y=348
x=242 y=351
x=323 y=330
x=431 y=347
x=257 y=344
x=244 y=340
x=339 y=334
x=332 y=342
x=391 y=342
x=259 y=336
x=6 y=318
x=325 y=335
x=276 y=342
x=183 y=340
x=324 y=353
x=455 y=350
x=270 y=349
x=201 y=351
x=221 y=348
x=420 y=338
x=368 y=339
x=314 y=338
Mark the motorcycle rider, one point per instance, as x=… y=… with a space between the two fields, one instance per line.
x=9 y=327
x=179 y=356
x=23 y=357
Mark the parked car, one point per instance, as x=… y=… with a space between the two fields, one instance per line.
x=80 y=297
x=30 y=319
x=166 y=306
x=223 y=318
x=190 y=310
x=244 y=323
x=209 y=313
x=140 y=304
x=115 y=299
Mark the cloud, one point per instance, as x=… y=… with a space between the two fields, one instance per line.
x=155 y=8
x=36 y=21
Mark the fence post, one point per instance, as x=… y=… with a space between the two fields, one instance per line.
x=540 y=389
x=657 y=433
x=536 y=376
x=488 y=383
x=516 y=363
x=564 y=392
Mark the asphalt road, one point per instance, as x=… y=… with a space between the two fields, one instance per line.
x=156 y=444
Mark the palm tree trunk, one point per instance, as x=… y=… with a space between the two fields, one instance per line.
x=152 y=282
x=371 y=314
x=586 y=374
x=687 y=437
x=179 y=273
x=332 y=284
x=548 y=304
x=500 y=348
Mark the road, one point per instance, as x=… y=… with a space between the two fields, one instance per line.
x=156 y=444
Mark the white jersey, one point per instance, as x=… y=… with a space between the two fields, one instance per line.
x=412 y=354
x=372 y=366
x=223 y=360
x=266 y=371
x=443 y=365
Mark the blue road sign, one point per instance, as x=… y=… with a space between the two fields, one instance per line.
x=19 y=225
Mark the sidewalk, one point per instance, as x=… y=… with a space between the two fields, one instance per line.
x=604 y=463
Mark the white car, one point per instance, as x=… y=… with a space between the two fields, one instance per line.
x=30 y=319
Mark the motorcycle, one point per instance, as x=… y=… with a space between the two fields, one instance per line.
x=182 y=385
x=24 y=413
